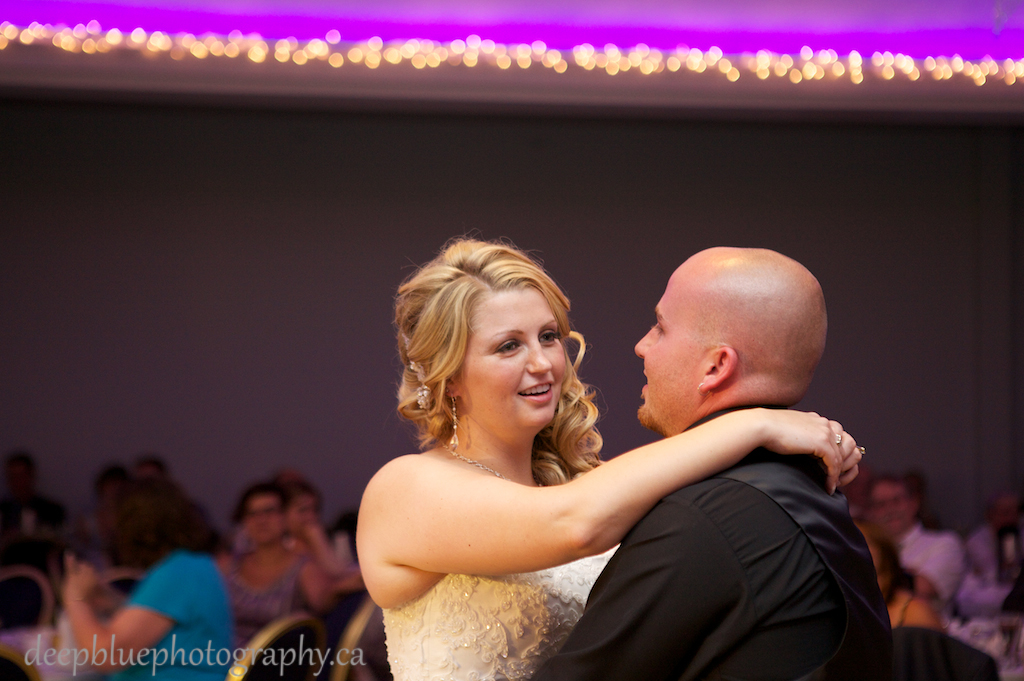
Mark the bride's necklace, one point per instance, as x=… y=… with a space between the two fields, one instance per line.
x=474 y=463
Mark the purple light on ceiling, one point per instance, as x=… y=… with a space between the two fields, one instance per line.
x=306 y=22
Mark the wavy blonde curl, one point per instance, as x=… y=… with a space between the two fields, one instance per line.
x=433 y=312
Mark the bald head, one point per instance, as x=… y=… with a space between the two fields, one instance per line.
x=768 y=307
x=736 y=327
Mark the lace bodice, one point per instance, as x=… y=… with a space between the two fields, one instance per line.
x=473 y=628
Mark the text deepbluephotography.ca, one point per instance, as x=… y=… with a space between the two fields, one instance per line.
x=86 y=658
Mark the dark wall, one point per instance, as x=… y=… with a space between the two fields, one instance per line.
x=216 y=285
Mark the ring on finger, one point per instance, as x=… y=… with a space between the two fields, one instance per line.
x=862 y=451
x=839 y=438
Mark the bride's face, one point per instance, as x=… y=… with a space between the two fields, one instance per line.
x=511 y=377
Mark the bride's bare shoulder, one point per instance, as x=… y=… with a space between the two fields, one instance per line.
x=406 y=471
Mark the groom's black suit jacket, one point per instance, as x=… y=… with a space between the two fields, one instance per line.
x=755 y=574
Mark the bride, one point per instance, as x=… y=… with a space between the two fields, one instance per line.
x=483 y=548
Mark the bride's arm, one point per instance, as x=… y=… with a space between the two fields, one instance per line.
x=424 y=515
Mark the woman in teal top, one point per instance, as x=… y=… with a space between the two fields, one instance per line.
x=176 y=626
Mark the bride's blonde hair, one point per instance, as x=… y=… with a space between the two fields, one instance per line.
x=433 y=313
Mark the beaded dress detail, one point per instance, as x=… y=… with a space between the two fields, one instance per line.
x=475 y=628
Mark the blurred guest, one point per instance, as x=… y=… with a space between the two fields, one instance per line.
x=149 y=465
x=180 y=602
x=23 y=511
x=94 y=531
x=287 y=476
x=307 y=537
x=934 y=559
x=905 y=609
x=351 y=591
x=993 y=559
x=917 y=484
x=858 y=492
x=343 y=536
x=270 y=580
x=1015 y=601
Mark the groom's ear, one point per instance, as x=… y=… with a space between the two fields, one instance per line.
x=722 y=365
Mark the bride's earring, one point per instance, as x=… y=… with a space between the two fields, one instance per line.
x=453 y=444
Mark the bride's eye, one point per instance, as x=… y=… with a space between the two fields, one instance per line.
x=550 y=337
x=508 y=346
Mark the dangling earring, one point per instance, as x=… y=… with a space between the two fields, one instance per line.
x=453 y=444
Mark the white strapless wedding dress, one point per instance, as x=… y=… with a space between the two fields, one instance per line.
x=473 y=628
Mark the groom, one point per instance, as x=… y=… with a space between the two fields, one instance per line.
x=757 y=573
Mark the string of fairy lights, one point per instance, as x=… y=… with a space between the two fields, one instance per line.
x=806 y=66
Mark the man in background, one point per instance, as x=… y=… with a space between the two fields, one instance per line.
x=23 y=511
x=935 y=559
x=993 y=559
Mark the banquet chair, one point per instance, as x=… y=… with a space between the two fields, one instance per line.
x=928 y=655
x=262 y=661
x=13 y=667
x=42 y=553
x=337 y=619
x=45 y=554
x=360 y=633
x=26 y=597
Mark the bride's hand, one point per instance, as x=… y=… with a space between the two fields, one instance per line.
x=797 y=432
x=852 y=455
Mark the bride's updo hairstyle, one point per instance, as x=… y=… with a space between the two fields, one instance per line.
x=434 y=312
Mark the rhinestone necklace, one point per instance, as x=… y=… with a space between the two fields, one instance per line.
x=474 y=463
